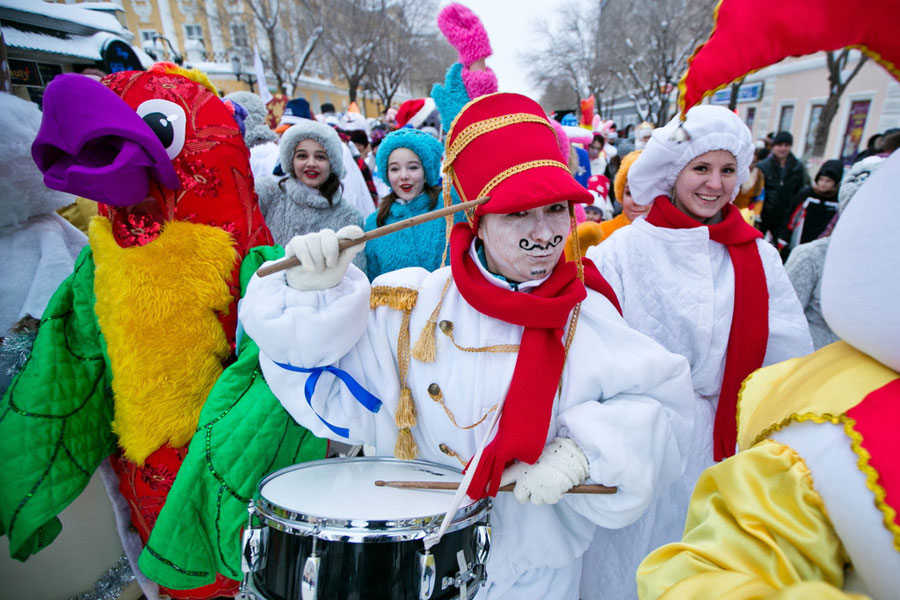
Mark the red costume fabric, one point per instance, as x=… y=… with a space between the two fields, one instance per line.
x=146 y=489
x=749 y=333
x=876 y=418
x=826 y=24
x=543 y=313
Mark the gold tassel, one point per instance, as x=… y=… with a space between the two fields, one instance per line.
x=405 y=448
x=423 y=351
x=405 y=417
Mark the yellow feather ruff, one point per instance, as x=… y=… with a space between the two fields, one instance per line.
x=157 y=307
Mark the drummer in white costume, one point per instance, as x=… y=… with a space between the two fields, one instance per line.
x=510 y=324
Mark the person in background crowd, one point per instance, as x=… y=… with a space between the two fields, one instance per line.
x=642 y=135
x=873 y=147
x=260 y=139
x=309 y=198
x=382 y=189
x=601 y=152
x=593 y=213
x=813 y=208
x=412 y=161
x=696 y=278
x=805 y=264
x=784 y=177
x=753 y=191
x=360 y=141
x=390 y=119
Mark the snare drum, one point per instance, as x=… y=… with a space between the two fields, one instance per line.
x=323 y=530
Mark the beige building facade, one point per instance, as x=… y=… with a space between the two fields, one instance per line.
x=790 y=96
x=209 y=35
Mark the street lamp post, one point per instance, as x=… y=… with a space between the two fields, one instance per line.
x=236 y=68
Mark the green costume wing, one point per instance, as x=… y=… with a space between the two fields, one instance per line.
x=244 y=434
x=55 y=417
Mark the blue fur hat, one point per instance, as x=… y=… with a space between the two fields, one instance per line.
x=427 y=148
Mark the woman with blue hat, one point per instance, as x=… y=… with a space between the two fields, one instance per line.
x=410 y=160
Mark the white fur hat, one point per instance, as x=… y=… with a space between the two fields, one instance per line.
x=708 y=128
x=307 y=129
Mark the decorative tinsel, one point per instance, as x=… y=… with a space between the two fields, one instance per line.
x=110 y=586
x=15 y=348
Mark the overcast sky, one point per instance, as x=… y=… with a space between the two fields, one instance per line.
x=509 y=26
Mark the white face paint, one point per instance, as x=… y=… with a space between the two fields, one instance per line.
x=525 y=245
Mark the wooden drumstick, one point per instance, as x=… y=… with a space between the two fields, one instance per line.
x=590 y=488
x=293 y=261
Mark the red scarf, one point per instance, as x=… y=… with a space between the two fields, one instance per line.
x=543 y=312
x=750 y=318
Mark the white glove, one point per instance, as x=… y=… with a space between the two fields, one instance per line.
x=561 y=466
x=322 y=264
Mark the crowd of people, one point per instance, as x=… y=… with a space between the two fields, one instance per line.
x=614 y=311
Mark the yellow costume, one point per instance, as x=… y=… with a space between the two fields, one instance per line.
x=764 y=524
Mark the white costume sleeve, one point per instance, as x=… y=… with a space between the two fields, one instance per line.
x=328 y=328
x=788 y=328
x=637 y=433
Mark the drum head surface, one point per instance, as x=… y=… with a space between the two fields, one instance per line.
x=345 y=489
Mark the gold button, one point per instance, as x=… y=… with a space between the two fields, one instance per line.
x=446 y=326
x=434 y=390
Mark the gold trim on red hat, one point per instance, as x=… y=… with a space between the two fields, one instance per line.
x=479 y=128
x=531 y=164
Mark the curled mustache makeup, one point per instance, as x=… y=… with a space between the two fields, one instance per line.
x=527 y=247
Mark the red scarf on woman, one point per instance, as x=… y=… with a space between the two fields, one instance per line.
x=750 y=318
x=543 y=312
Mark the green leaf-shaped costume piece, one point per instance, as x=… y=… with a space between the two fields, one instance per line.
x=55 y=417
x=243 y=435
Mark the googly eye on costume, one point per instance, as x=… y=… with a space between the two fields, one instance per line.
x=168 y=122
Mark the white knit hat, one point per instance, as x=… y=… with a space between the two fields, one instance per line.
x=313 y=130
x=707 y=128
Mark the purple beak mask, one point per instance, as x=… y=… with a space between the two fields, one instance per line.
x=92 y=144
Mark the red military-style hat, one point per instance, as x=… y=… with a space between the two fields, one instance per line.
x=501 y=145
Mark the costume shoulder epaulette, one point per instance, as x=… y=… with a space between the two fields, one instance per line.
x=398 y=298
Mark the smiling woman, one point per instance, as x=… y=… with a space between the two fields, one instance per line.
x=309 y=198
x=412 y=161
x=696 y=278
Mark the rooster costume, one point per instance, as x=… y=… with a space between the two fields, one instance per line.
x=134 y=340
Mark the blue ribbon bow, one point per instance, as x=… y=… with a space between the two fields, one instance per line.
x=362 y=395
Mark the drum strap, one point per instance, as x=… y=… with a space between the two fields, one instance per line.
x=362 y=395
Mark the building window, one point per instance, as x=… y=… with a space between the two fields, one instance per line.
x=751 y=116
x=147 y=36
x=815 y=115
x=787 y=115
x=193 y=32
x=239 y=36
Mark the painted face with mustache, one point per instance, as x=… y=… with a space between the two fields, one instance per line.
x=524 y=245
